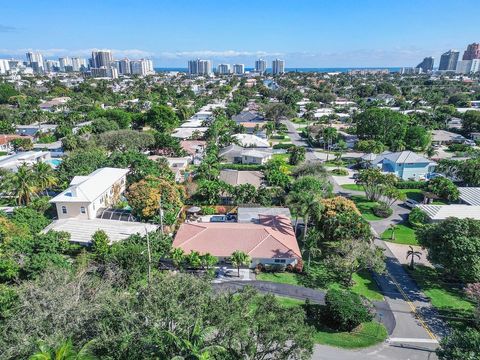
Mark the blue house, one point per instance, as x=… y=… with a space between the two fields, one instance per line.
x=405 y=164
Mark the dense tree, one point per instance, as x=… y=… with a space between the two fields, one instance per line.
x=6 y=92
x=460 y=344
x=124 y=140
x=455 y=244
x=162 y=118
x=297 y=155
x=471 y=121
x=374 y=182
x=443 y=188
x=81 y=162
x=417 y=138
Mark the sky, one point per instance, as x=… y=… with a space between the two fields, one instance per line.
x=305 y=33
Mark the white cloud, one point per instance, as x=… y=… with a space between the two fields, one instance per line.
x=216 y=53
x=118 y=53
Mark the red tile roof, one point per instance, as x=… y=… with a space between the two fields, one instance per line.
x=6 y=138
x=273 y=237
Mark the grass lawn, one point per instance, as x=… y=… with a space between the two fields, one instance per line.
x=353 y=187
x=367 y=334
x=365 y=206
x=404 y=234
x=443 y=295
x=284 y=157
x=289 y=302
x=280 y=277
x=364 y=285
x=414 y=194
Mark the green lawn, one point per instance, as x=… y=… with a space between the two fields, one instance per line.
x=289 y=302
x=367 y=334
x=414 y=194
x=284 y=157
x=353 y=187
x=443 y=295
x=404 y=234
x=280 y=277
x=365 y=206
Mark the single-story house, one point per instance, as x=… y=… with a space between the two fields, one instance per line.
x=254 y=129
x=35 y=129
x=270 y=241
x=56 y=104
x=82 y=230
x=6 y=141
x=186 y=133
x=475 y=136
x=404 y=164
x=470 y=195
x=178 y=165
x=238 y=155
x=438 y=213
x=236 y=177
x=248 y=116
x=249 y=140
x=12 y=162
x=86 y=195
x=442 y=137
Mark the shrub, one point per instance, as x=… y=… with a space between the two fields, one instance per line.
x=346 y=310
x=277 y=137
x=382 y=210
x=417 y=217
x=458 y=147
x=252 y=167
x=410 y=185
x=208 y=210
x=283 y=146
x=339 y=172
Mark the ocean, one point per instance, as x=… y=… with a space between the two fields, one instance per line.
x=319 y=70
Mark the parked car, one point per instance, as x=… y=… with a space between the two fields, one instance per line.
x=410 y=203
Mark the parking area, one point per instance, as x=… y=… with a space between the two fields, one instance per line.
x=229 y=273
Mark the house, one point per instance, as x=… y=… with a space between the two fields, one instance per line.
x=82 y=230
x=178 y=165
x=195 y=149
x=248 y=140
x=248 y=116
x=470 y=195
x=186 y=133
x=86 y=195
x=270 y=241
x=12 y=162
x=475 y=136
x=386 y=99
x=236 y=177
x=34 y=129
x=6 y=141
x=436 y=213
x=238 y=155
x=404 y=164
x=252 y=128
x=54 y=105
x=442 y=137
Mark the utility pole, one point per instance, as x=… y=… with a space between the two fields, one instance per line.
x=160 y=211
x=149 y=258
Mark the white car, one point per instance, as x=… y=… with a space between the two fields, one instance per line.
x=410 y=203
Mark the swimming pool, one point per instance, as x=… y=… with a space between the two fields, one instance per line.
x=54 y=162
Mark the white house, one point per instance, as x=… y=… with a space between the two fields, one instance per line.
x=88 y=194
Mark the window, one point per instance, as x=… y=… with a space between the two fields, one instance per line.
x=64 y=209
x=280 y=261
x=82 y=209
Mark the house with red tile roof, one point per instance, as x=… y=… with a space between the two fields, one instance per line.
x=271 y=240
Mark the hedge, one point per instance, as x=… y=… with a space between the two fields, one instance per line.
x=252 y=167
x=410 y=185
x=346 y=310
x=283 y=146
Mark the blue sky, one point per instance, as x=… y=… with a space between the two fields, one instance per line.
x=306 y=33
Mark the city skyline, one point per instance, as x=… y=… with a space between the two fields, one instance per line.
x=306 y=34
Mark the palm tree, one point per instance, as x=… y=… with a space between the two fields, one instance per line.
x=65 y=351
x=238 y=259
x=23 y=184
x=308 y=205
x=45 y=176
x=193 y=348
x=310 y=245
x=412 y=254
x=208 y=260
x=393 y=227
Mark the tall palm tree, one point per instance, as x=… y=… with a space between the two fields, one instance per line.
x=412 y=253
x=45 y=176
x=393 y=227
x=22 y=184
x=308 y=205
x=238 y=259
x=310 y=245
x=65 y=351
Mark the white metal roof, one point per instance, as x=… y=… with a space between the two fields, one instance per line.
x=248 y=140
x=470 y=195
x=88 y=188
x=441 y=212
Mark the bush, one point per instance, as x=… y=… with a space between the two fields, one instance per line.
x=410 y=185
x=283 y=146
x=339 y=172
x=346 y=310
x=252 y=167
x=458 y=147
x=417 y=217
x=382 y=210
x=278 y=137
x=208 y=210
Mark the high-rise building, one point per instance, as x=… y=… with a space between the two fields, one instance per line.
x=104 y=72
x=278 y=67
x=468 y=66
x=124 y=67
x=199 y=67
x=52 y=65
x=260 y=66
x=79 y=64
x=35 y=60
x=426 y=65
x=448 y=60
x=238 y=69
x=141 y=67
x=472 y=52
x=4 y=66
x=223 y=69
x=101 y=58
x=65 y=64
